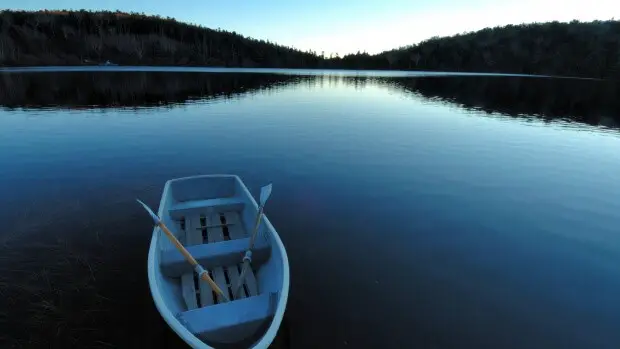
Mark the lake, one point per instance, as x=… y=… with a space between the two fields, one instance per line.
x=417 y=211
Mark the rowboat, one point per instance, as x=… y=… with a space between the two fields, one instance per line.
x=213 y=218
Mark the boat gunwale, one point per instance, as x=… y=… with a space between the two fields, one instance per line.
x=269 y=336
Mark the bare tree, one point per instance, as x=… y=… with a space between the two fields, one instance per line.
x=95 y=45
x=168 y=45
x=415 y=58
x=138 y=46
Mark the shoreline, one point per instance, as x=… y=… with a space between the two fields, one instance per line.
x=285 y=71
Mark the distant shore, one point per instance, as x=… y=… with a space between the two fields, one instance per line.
x=82 y=38
x=285 y=71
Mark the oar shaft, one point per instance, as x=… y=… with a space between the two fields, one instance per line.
x=178 y=244
x=244 y=269
x=246 y=261
x=256 y=225
x=191 y=260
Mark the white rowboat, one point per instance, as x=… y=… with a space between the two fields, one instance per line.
x=213 y=217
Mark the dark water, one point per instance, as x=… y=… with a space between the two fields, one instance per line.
x=437 y=212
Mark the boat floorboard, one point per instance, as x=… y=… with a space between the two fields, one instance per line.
x=214 y=234
x=237 y=232
x=205 y=291
x=188 y=284
x=214 y=227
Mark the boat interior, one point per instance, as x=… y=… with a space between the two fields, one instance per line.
x=214 y=218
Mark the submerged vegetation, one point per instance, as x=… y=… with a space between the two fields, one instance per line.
x=589 y=49
x=60 y=291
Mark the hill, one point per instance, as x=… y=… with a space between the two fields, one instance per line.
x=83 y=37
x=590 y=49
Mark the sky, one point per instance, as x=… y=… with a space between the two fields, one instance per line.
x=347 y=26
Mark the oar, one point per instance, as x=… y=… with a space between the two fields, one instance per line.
x=265 y=192
x=202 y=273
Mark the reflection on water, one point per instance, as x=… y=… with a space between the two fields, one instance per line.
x=128 y=89
x=410 y=217
x=587 y=101
x=591 y=102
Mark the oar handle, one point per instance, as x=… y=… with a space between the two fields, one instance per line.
x=203 y=274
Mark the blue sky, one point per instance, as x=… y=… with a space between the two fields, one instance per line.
x=344 y=26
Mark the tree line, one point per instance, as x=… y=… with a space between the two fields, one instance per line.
x=84 y=37
x=583 y=49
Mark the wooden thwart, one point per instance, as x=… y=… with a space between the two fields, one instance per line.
x=231 y=319
x=210 y=255
x=192 y=208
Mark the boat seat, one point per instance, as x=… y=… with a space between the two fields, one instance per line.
x=188 y=208
x=214 y=254
x=228 y=322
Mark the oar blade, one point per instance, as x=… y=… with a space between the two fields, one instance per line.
x=265 y=192
x=151 y=213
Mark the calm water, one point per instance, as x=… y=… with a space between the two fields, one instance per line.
x=437 y=212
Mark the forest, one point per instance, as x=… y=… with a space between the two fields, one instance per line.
x=83 y=37
x=579 y=49
x=590 y=49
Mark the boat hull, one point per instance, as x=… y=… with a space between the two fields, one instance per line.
x=254 y=320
